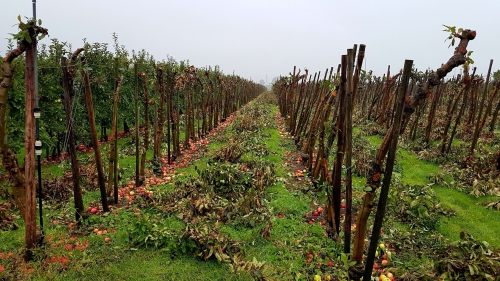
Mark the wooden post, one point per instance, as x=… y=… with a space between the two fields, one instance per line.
x=384 y=192
x=136 y=108
x=29 y=160
x=95 y=142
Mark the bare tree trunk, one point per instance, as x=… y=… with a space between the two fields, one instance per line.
x=9 y=159
x=348 y=156
x=68 y=76
x=112 y=144
x=374 y=175
x=136 y=111
x=494 y=117
x=161 y=116
x=337 y=169
x=146 y=129
x=479 y=127
x=432 y=113
x=384 y=192
x=95 y=142
x=493 y=94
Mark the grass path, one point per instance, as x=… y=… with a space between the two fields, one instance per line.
x=470 y=216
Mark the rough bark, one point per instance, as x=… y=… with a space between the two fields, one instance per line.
x=9 y=159
x=435 y=77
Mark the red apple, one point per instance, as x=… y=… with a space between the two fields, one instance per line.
x=342 y=205
x=94 y=210
x=315 y=213
x=384 y=256
x=319 y=209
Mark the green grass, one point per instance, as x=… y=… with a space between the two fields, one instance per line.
x=471 y=217
x=475 y=219
x=148 y=265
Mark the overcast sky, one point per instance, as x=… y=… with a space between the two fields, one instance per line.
x=256 y=38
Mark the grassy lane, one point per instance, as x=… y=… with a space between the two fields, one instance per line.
x=471 y=217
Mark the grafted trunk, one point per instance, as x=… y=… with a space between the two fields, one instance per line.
x=435 y=77
x=9 y=159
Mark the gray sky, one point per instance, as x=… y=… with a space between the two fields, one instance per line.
x=256 y=38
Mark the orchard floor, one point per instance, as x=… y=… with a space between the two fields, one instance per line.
x=285 y=250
